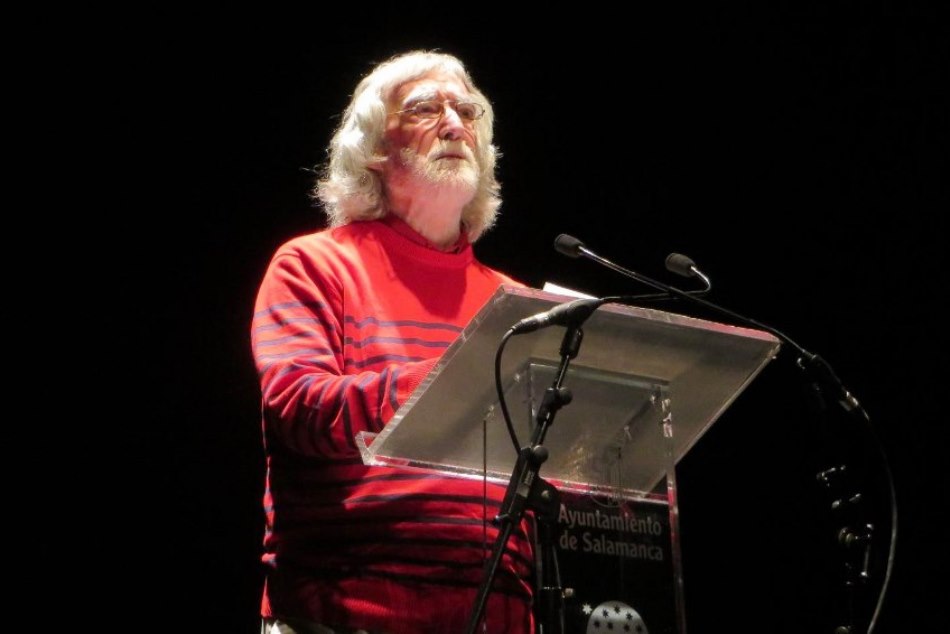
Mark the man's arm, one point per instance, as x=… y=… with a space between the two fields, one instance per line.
x=309 y=404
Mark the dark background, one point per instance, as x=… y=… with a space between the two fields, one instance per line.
x=801 y=162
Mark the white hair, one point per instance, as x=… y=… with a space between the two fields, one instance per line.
x=350 y=190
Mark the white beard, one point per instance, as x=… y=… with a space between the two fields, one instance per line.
x=461 y=175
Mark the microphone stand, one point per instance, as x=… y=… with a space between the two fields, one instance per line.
x=853 y=539
x=855 y=535
x=528 y=491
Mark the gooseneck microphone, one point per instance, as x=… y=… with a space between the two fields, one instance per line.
x=675 y=263
x=683 y=265
x=570 y=314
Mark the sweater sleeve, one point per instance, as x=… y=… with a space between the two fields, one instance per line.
x=309 y=404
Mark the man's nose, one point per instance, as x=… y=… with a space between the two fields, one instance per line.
x=451 y=126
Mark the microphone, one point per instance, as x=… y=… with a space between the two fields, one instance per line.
x=811 y=363
x=675 y=262
x=683 y=265
x=571 y=314
x=568 y=245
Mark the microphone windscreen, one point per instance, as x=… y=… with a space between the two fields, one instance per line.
x=680 y=264
x=568 y=245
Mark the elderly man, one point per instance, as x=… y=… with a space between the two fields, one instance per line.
x=347 y=323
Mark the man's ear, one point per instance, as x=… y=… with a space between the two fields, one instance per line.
x=379 y=164
x=381 y=157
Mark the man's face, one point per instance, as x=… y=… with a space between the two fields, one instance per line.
x=439 y=149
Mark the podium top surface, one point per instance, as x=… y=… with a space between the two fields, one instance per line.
x=636 y=366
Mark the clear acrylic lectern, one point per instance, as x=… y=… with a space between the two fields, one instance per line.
x=646 y=385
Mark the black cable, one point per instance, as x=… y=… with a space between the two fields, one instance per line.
x=501 y=391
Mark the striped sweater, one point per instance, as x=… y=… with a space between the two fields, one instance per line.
x=347 y=323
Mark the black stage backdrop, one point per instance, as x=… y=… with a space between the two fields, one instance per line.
x=801 y=161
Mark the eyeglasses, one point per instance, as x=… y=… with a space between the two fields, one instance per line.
x=466 y=110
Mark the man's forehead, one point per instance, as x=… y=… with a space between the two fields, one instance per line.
x=429 y=86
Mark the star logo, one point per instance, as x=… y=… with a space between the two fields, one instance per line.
x=612 y=617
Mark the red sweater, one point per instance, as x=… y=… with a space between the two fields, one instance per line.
x=347 y=323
